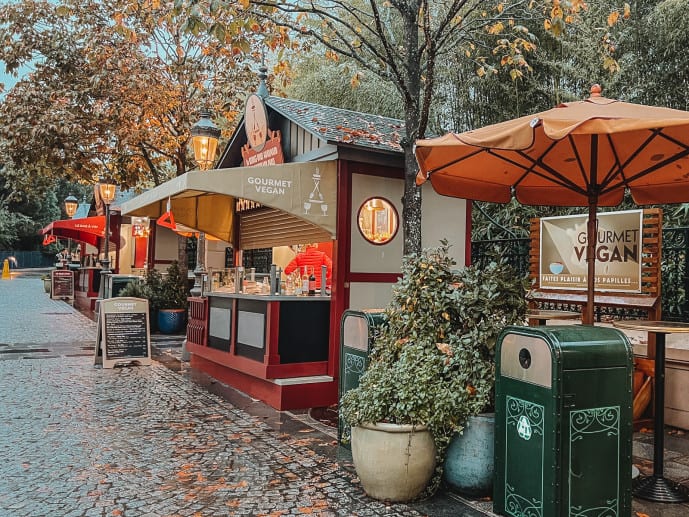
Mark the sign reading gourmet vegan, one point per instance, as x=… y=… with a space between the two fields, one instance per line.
x=124 y=331
x=618 y=252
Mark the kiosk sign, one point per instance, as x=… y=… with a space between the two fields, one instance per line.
x=618 y=252
x=123 y=332
x=62 y=284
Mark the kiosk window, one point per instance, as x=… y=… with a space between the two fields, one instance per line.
x=378 y=220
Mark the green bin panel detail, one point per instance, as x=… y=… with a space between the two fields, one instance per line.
x=563 y=422
x=358 y=330
x=598 y=464
x=524 y=438
x=594 y=433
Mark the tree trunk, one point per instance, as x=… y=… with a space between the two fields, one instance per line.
x=411 y=203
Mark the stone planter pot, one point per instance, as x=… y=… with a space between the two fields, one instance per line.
x=171 y=321
x=393 y=462
x=469 y=458
x=46 y=284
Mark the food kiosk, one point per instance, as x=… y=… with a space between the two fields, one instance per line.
x=295 y=173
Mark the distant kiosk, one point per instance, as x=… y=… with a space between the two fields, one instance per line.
x=123 y=332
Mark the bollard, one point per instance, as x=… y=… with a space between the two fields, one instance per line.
x=6 y=269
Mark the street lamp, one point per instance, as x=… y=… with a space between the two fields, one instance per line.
x=107 y=194
x=71 y=205
x=204 y=137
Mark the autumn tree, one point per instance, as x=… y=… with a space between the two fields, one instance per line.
x=116 y=85
x=402 y=42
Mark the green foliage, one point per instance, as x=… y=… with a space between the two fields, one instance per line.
x=173 y=289
x=118 y=97
x=321 y=81
x=433 y=362
x=162 y=292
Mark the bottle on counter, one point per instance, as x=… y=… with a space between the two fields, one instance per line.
x=296 y=282
x=304 y=282
x=312 y=283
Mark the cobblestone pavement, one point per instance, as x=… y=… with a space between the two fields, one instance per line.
x=83 y=441
x=166 y=440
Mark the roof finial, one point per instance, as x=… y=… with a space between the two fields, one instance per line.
x=596 y=90
x=262 y=86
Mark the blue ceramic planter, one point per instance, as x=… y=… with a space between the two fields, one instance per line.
x=171 y=321
x=469 y=459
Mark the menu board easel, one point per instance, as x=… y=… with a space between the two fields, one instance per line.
x=62 y=284
x=123 y=335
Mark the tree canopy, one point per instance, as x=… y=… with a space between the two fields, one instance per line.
x=404 y=41
x=116 y=85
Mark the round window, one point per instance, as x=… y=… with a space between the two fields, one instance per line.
x=378 y=220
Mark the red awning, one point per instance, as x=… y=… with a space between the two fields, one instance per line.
x=87 y=229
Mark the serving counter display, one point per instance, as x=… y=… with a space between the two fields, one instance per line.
x=273 y=347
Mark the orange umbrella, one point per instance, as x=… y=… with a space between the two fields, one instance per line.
x=581 y=153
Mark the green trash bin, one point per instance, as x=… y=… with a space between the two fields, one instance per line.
x=563 y=422
x=358 y=330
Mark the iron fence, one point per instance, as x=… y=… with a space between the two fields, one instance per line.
x=28 y=259
x=674 y=281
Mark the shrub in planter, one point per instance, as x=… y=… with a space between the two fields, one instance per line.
x=167 y=292
x=433 y=363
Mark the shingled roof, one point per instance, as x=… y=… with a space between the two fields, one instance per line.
x=340 y=126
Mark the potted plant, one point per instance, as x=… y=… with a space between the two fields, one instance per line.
x=47 y=283
x=166 y=295
x=174 y=291
x=431 y=369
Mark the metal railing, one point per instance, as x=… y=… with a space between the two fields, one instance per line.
x=28 y=259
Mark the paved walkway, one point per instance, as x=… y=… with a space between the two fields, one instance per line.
x=83 y=441
x=167 y=441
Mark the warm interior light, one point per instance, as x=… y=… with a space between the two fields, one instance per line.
x=378 y=221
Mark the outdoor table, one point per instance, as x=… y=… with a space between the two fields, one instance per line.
x=540 y=317
x=656 y=487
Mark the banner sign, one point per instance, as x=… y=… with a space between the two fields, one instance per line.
x=618 y=252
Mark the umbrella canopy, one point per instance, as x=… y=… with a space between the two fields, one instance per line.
x=581 y=153
x=87 y=229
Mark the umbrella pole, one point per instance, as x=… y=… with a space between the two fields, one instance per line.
x=591 y=239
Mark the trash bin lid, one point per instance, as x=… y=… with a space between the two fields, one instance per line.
x=581 y=346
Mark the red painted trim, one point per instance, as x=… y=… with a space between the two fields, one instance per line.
x=272 y=355
x=280 y=397
x=375 y=277
x=467 y=237
x=236 y=362
x=339 y=300
x=286 y=371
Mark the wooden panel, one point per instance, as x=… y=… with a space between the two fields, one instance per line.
x=648 y=300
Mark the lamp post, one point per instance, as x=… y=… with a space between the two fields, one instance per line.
x=204 y=138
x=71 y=205
x=107 y=194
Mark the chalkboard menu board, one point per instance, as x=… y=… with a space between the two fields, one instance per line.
x=62 y=284
x=123 y=332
